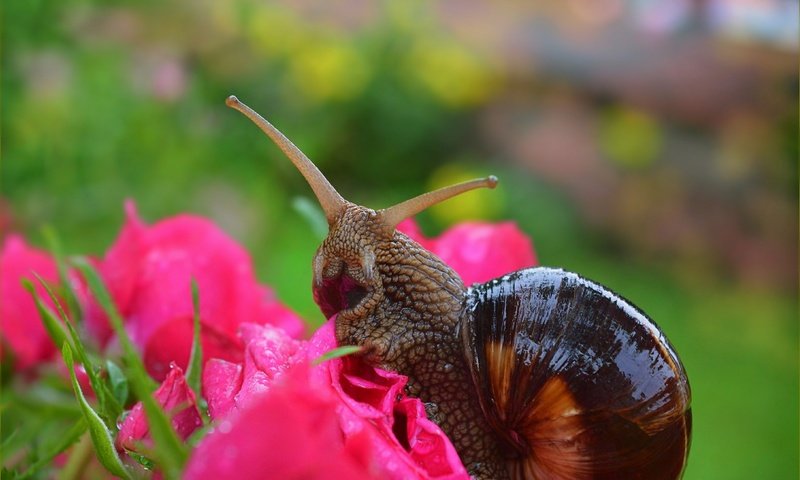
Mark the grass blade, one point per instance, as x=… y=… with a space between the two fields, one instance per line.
x=170 y=450
x=104 y=299
x=109 y=408
x=195 y=369
x=101 y=436
x=54 y=328
x=337 y=352
x=313 y=214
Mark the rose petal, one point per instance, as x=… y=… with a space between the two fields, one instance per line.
x=366 y=400
x=119 y=269
x=22 y=329
x=369 y=391
x=478 y=251
x=221 y=381
x=269 y=351
x=371 y=398
x=149 y=271
x=428 y=445
x=172 y=344
x=291 y=432
x=179 y=402
x=279 y=315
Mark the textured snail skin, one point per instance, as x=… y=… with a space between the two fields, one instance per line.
x=502 y=389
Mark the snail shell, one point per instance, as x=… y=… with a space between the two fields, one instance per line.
x=574 y=380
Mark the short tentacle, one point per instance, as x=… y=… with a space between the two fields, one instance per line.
x=392 y=216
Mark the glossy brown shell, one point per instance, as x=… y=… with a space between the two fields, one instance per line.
x=576 y=381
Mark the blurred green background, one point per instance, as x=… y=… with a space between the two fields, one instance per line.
x=650 y=145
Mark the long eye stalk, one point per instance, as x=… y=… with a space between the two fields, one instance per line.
x=396 y=214
x=332 y=203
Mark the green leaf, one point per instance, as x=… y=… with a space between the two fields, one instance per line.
x=195 y=370
x=170 y=450
x=101 y=436
x=54 y=328
x=337 y=352
x=143 y=460
x=313 y=214
x=109 y=408
x=118 y=382
x=104 y=299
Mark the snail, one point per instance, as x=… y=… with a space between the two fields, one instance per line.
x=539 y=374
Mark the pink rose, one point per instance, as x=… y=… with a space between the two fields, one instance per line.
x=406 y=442
x=478 y=251
x=291 y=432
x=371 y=413
x=148 y=271
x=268 y=352
x=177 y=400
x=22 y=329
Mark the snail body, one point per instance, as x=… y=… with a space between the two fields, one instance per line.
x=538 y=374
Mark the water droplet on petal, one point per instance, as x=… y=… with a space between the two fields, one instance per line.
x=225 y=426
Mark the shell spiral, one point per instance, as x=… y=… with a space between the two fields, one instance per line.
x=574 y=380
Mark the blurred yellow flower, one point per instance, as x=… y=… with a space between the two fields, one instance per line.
x=630 y=138
x=476 y=205
x=451 y=73
x=276 y=31
x=329 y=70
